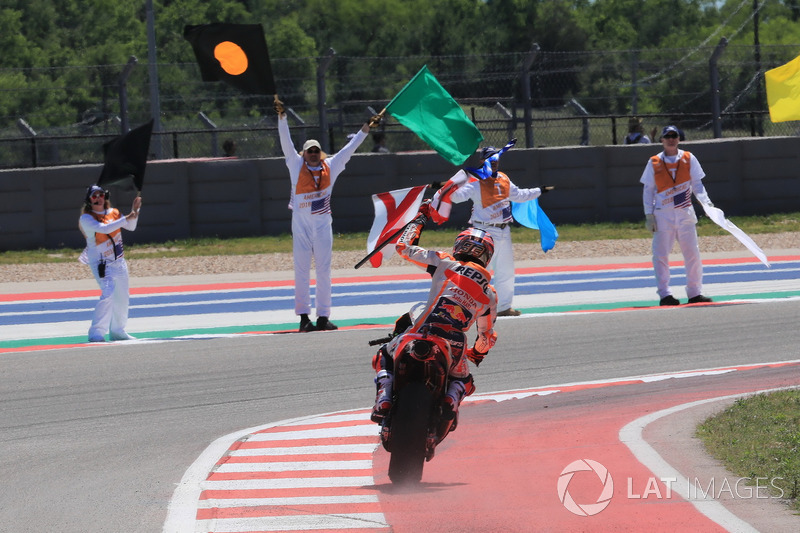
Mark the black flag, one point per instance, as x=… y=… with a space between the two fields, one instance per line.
x=126 y=157
x=234 y=53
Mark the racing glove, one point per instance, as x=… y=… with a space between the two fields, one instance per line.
x=483 y=344
x=424 y=213
x=476 y=358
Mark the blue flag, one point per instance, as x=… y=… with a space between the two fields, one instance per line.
x=530 y=215
x=486 y=170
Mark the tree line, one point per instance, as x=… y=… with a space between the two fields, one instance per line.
x=45 y=42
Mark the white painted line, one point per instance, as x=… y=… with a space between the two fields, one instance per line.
x=288 y=483
x=299 y=500
x=679 y=375
x=292 y=523
x=336 y=419
x=631 y=436
x=294 y=466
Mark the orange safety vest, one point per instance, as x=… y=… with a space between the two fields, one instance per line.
x=313 y=180
x=495 y=190
x=110 y=216
x=115 y=237
x=668 y=175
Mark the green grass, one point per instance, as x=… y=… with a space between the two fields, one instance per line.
x=759 y=437
x=434 y=238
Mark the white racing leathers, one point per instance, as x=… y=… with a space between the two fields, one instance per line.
x=103 y=232
x=312 y=234
x=669 y=182
x=461 y=295
x=491 y=212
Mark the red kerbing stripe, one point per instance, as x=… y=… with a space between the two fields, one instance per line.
x=289 y=474
x=292 y=443
x=244 y=494
x=350 y=423
x=273 y=459
x=46 y=347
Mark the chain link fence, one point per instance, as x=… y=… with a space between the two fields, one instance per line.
x=541 y=98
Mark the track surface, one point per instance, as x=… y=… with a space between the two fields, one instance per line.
x=125 y=422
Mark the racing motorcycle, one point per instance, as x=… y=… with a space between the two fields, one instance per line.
x=418 y=420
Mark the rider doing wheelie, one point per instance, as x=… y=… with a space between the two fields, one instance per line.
x=461 y=295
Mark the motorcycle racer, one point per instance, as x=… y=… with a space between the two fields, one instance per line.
x=461 y=295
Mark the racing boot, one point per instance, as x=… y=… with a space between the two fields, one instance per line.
x=383 y=399
x=456 y=391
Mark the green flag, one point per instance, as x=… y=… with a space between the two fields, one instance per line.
x=424 y=107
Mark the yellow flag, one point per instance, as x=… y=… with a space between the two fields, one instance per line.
x=783 y=91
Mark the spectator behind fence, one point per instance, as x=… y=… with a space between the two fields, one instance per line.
x=636 y=132
x=380 y=143
x=229 y=148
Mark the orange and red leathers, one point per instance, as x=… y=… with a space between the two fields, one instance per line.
x=461 y=296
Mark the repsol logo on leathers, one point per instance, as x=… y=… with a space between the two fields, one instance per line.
x=475 y=275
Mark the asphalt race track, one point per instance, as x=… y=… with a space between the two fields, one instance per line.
x=99 y=437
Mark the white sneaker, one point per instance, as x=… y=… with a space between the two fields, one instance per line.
x=97 y=339
x=122 y=337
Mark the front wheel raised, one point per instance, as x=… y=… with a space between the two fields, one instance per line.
x=409 y=433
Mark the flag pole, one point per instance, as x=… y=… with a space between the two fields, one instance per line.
x=389 y=239
x=382 y=245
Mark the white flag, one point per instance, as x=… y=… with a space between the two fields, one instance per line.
x=719 y=219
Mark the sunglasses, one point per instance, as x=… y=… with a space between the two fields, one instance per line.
x=312 y=151
x=671 y=136
x=98 y=195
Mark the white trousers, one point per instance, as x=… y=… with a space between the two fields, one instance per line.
x=680 y=225
x=111 y=312
x=312 y=236
x=502 y=264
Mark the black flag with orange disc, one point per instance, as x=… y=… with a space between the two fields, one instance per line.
x=233 y=53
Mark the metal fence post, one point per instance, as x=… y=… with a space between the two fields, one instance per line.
x=506 y=114
x=714 y=73
x=525 y=78
x=155 y=99
x=324 y=64
x=26 y=130
x=123 y=94
x=582 y=111
x=635 y=82
x=757 y=57
x=209 y=124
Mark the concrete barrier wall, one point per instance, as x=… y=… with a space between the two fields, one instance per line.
x=247 y=197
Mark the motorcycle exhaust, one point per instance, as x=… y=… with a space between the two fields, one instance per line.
x=421 y=350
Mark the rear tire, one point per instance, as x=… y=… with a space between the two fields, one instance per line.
x=409 y=433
